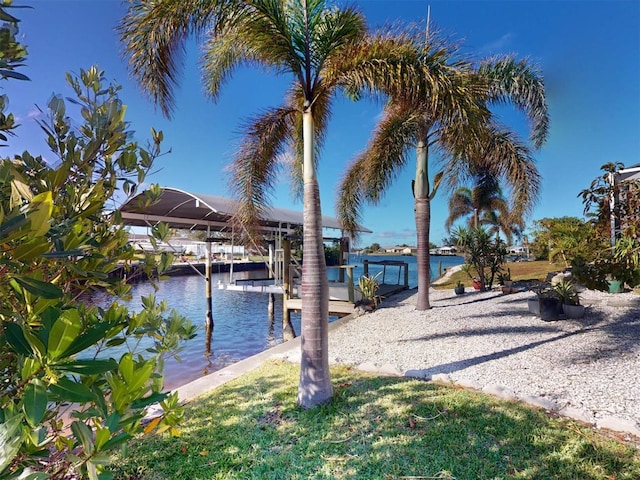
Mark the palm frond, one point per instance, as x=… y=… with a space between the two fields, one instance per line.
x=387 y=152
x=380 y=64
x=351 y=201
x=521 y=83
x=255 y=168
x=154 y=35
x=509 y=158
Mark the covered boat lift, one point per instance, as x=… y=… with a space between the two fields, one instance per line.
x=180 y=209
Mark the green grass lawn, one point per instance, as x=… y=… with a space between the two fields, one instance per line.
x=536 y=270
x=376 y=428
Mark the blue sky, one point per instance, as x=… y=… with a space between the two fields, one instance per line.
x=589 y=53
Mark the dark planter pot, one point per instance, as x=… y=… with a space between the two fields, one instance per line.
x=573 y=311
x=549 y=308
x=534 y=305
x=458 y=290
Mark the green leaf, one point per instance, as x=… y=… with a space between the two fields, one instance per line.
x=114 y=342
x=64 y=332
x=70 y=391
x=11 y=229
x=83 y=433
x=9 y=73
x=34 y=342
x=11 y=438
x=153 y=398
x=88 y=367
x=28 y=251
x=40 y=215
x=89 y=338
x=34 y=402
x=141 y=376
x=117 y=440
x=38 y=287
x=15 y=337
x=102 y=437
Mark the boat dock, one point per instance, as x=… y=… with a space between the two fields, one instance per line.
x=343 y=295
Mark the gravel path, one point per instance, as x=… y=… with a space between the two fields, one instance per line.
x=587 y=369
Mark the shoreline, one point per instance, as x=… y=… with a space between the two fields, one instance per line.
x=447 y=275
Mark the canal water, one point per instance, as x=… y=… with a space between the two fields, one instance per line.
x=242 y=326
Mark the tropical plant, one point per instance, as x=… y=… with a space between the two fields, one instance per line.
x=567 y=292
x=566 y=238
x=451 y=115
x=68 y=398
x=326 y=50
x=625 y=209
x=504 y=276
x=369 y=288
x=483 y=253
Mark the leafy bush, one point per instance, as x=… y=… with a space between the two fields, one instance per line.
x=483 y=253
x=67 y=398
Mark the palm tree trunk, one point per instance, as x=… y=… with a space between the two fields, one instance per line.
x=315 y=383
x=423 y=218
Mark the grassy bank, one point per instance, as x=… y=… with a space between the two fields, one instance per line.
x=519 y=271
x=376 y=428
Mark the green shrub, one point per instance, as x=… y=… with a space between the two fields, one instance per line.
x=67 y=399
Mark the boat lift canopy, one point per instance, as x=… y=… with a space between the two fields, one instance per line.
x=193 y=211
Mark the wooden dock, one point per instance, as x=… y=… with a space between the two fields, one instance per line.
x=342 y=308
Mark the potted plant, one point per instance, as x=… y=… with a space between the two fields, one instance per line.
x=369 y=287
x=504 y=278
x=459 y=288
x=569 y=299
x=549 y=306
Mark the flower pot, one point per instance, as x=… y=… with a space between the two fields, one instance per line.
x=477 y=284
x=534 y=305
x=573 y=311
x=508 y=283
x=549 y=308
x=615 y=286
x=459 y=290
x=506 y=289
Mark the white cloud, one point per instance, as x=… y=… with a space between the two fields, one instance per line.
x=500 y=45
x=35 y=113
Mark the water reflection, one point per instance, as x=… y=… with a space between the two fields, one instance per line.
x=243 y=324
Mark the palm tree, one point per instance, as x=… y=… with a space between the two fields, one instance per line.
x=456 y=121
x=505 y=223
x=325 y=50
x=484 y=205
x=485 y=196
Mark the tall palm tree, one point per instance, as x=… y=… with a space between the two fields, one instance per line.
x=325 y=50
x=456 y=121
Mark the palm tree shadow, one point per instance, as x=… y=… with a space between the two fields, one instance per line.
x=468 y=302
x=451 y=367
